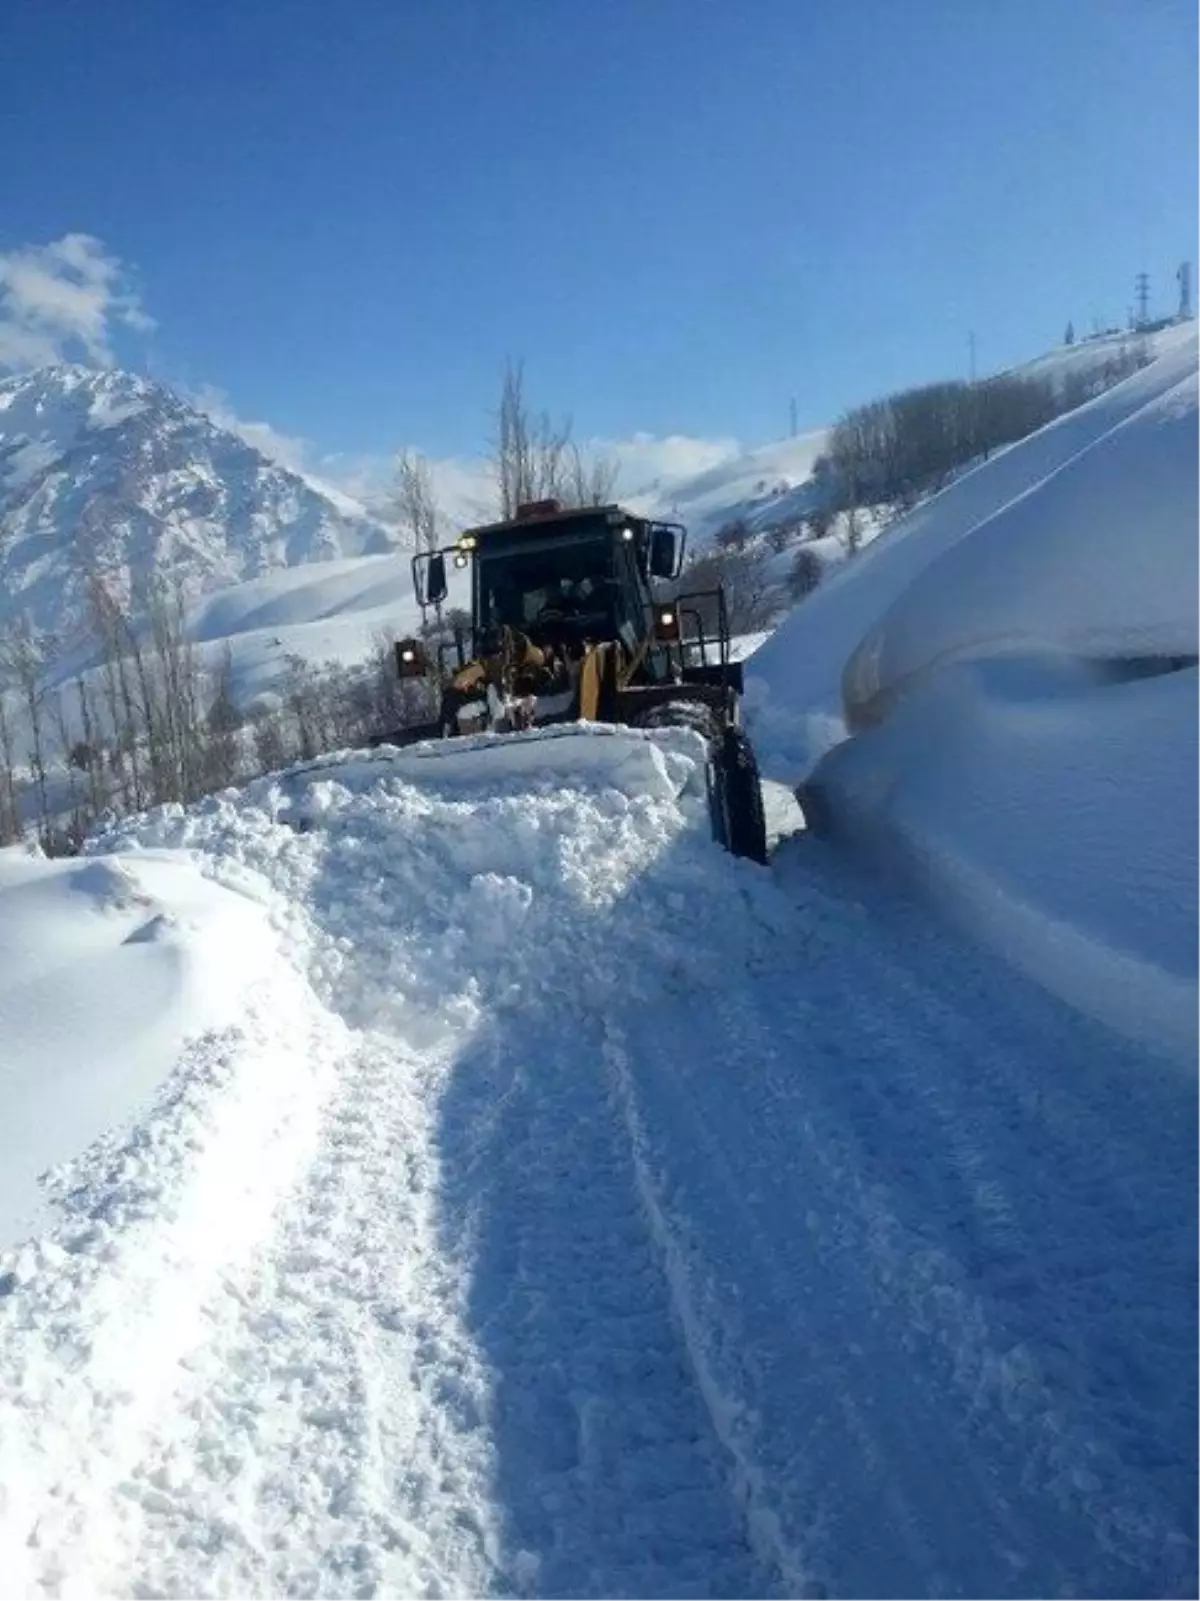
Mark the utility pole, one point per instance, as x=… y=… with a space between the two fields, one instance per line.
x=792 y=416
x=1141 y=286
x=1184 y=276
x=971 y=355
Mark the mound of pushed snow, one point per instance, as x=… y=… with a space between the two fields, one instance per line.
x=1098 y=561
x=106 y=967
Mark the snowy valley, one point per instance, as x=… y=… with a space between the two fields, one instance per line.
x=446 y=1172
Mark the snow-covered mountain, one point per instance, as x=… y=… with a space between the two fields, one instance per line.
x=102 y=471
x=765 y=487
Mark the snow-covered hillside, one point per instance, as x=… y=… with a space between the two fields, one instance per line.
x=102 y=471
x=333 y=611
x=771 y=484
x=762 y=487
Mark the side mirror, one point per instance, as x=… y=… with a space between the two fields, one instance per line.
x=664 y=553
x=429 y=577
x=410 y=658
x=435 y=579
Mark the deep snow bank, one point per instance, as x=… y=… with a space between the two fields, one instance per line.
x=106 y=967
x=1016 y=665
x=1055 y=812
x=1098 y=561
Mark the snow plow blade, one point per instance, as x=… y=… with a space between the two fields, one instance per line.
x=417 y=734
x=670 y=762
x=579 y=622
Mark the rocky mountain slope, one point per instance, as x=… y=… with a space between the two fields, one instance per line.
x=105 y=472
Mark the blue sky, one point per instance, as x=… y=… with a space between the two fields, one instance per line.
x=679 y=214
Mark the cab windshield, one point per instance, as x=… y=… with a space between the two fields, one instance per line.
x=539 y=584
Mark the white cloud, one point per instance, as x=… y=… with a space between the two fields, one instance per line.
x=465 y=486
x=290 y=450
x=652 y=464
x=63 y=301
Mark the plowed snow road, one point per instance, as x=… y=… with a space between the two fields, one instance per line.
x=579 y=1212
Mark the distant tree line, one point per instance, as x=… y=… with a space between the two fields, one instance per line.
x=895 y=450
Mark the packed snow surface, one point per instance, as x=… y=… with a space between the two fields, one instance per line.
x=569 y=1209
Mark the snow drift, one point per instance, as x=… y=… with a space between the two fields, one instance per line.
x=797 y=678
x=106 y=968
x=1015 y=663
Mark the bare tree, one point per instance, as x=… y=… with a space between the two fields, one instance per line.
x=10 y=803
x=223 y=723
x=536 y=459
x=592 y=480
x=733 y=535
x=23 y=663
x=270 y=741
x=806 y=573
x=414 y=503
x=751 y=599
x=88 y=752
x=109 y=626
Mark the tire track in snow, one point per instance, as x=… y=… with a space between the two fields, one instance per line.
x=609 y=1473
x=866 y=1202
x=684 y=1272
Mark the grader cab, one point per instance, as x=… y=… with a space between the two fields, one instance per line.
x=566 y=626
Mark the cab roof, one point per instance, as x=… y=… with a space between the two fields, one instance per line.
x=548 y=514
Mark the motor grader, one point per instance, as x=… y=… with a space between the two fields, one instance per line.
x=565 y=626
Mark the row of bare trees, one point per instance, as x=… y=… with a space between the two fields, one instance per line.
x=534 y=457
x=151 y=719
x=893 y=451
